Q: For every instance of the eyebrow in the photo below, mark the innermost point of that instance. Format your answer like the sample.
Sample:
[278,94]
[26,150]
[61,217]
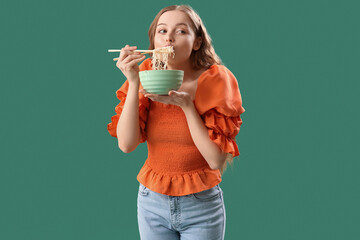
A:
[175,25]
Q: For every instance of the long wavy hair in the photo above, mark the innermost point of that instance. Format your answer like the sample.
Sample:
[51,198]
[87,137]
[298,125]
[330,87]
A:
[204,57]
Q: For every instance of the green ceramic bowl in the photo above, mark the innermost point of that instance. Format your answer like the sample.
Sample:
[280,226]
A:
[161,81]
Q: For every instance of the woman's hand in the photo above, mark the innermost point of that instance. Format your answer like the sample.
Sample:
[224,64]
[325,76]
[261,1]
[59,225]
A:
[127,63]
[181,99]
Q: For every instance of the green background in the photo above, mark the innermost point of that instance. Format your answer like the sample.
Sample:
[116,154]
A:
[62,175]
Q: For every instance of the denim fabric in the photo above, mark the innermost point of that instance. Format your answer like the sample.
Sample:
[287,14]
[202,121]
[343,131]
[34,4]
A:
[198,216]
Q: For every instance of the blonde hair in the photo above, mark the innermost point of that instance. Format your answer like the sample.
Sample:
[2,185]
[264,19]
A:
[205,56]
[229,159]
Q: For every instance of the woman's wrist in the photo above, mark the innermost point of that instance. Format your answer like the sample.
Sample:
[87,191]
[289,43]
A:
[134,83]
[188,107]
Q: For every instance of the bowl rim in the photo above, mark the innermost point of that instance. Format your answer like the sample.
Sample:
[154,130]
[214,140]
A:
[167,70]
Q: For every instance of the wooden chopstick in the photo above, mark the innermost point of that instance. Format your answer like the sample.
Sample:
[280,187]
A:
[119,50]
[140,51]
[115,59]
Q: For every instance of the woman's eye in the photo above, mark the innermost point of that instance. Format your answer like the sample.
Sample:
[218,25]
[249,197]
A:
[163,31]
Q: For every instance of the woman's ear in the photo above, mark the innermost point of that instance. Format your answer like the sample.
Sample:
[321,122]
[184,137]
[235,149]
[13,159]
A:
[197,43]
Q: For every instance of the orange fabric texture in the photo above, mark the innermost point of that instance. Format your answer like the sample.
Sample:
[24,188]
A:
[174,165]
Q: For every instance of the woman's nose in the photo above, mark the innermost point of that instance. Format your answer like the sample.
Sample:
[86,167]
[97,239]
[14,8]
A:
[169,38]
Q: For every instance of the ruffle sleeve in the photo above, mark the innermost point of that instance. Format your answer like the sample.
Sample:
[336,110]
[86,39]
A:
[121,94]
[219,103]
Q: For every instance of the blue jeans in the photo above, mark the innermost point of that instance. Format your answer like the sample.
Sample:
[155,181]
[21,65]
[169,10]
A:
[198,216]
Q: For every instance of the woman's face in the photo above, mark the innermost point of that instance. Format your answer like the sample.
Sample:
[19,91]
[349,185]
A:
[174,28]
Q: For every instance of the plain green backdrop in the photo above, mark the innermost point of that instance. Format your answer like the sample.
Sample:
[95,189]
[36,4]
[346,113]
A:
[62,175]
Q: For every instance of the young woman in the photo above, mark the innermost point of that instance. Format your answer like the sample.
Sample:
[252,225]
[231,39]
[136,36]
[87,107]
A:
[190,133]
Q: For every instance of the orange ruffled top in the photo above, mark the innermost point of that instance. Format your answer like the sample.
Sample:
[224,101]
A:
[174,165]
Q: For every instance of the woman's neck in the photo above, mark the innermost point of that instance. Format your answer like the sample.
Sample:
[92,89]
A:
[189,72]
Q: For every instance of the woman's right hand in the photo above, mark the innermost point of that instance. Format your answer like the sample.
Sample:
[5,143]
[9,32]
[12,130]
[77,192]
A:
[128,63]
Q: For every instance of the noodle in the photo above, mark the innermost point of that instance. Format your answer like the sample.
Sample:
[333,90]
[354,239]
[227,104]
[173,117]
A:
[160,57]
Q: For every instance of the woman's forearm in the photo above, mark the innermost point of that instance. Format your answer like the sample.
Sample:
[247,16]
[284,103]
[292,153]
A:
[128,128]
[199,133]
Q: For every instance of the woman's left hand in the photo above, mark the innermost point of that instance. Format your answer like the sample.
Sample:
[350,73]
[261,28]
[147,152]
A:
[181,99]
